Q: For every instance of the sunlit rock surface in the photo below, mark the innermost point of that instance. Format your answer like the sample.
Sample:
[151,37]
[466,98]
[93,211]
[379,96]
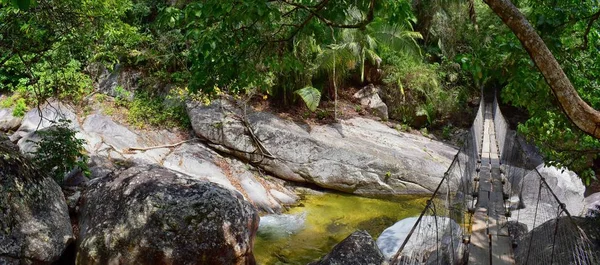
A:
[359,156]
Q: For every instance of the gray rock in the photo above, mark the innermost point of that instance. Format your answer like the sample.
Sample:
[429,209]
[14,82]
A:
[197,161]
[34,219]
[107,82]
[423,244]
[8,122]
[369,97]
[258,194]
[284,198]
[561,241]
[254,186]
[28,143]
[48,114]
[358,156]
[151,215]
[516,231]
[592,204]
[357,249]
[109,132]
[567,187]
[200,162]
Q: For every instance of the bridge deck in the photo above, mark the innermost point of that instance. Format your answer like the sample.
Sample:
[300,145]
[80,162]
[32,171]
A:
[490,243]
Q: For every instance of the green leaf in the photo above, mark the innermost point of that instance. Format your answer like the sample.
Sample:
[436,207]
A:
[311,97]
[22,4]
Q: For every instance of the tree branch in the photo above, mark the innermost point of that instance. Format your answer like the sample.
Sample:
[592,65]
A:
[314,12]
[586,118]
[593,19]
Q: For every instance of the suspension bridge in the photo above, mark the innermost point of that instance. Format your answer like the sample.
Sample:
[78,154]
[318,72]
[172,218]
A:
[493,206]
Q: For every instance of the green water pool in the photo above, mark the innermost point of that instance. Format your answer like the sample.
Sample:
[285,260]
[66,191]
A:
[331,218]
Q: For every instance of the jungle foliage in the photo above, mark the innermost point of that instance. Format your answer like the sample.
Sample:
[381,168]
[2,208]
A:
[497,59]
[431,57]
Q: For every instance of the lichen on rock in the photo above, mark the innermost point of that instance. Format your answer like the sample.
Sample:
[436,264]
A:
[152,215]
[34,220]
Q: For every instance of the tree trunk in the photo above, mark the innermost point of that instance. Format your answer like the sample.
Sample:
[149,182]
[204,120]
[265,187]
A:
[578,111]
[424,11]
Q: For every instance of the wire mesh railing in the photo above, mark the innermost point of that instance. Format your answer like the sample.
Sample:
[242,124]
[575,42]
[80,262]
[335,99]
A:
[543,230]
[437,235]
[553,235]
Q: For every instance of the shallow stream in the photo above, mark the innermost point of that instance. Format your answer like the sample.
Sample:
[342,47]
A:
[312,229]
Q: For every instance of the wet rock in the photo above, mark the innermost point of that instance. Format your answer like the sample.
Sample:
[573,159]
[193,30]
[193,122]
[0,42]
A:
[281,225]
[199,161]
[356,156]
[357,249]
[34,219]
[151,215]
[284,198]
[196,161]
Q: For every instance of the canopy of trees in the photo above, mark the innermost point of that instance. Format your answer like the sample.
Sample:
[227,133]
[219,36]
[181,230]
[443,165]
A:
[431,56]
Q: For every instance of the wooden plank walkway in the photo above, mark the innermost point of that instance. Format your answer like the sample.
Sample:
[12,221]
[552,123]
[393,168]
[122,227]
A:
[490,243]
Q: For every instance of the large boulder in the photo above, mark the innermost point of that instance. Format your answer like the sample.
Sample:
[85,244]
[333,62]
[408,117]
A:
[151,215]
[357,249]
[560,241]
[34,219]
[106,131]
[423,244]
[358,156]
[565,184]
[108,142]
[8,122]
[201,162]
[42,118]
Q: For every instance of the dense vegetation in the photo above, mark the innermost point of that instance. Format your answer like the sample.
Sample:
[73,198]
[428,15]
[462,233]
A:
[430,57]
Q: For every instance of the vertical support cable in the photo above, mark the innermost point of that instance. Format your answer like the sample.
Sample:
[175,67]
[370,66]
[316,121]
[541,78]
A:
[534,220]
[555,233]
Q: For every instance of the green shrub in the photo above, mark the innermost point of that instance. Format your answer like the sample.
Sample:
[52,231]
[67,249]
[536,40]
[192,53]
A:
[59,151]
[67,82]
[122,96]
[18,104]
[7,103]
[146,109]
[20,108]
[447,132]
